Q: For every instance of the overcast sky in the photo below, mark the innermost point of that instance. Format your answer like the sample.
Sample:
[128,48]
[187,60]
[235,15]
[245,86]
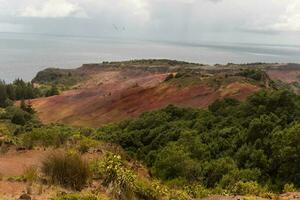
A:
[269,21]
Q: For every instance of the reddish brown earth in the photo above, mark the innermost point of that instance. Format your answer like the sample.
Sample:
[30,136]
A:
[287,73]
[286,76]
[114,95]
[14,163]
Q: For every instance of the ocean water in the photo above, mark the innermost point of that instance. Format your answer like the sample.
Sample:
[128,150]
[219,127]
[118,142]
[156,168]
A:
[23,55]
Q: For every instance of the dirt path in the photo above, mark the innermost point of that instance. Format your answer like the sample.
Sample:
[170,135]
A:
[15,162]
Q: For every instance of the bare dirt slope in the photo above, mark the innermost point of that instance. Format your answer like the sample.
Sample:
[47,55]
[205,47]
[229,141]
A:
[110,95]
[287,73]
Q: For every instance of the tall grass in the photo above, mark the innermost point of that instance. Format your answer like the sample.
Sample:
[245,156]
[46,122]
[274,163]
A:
[68,170]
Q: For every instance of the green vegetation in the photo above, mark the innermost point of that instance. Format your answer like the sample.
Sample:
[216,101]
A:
[123,183]
[51,135]
[30,174]
[21,90]
[61,78]
[77,197]
[154,62]
[255,74]
[239,147]
[18,90]
[116,176]
[22,116]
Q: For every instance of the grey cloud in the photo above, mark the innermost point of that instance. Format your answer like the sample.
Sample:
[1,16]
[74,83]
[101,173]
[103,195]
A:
[180,20]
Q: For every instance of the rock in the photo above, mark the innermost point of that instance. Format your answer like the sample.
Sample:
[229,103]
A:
[21,149]
[25,197]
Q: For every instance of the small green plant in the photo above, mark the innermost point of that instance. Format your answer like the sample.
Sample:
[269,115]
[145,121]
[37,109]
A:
[16,178]
[289,188]
[145,190]
[68,170]
[77,197]
[84,144]
[30,174]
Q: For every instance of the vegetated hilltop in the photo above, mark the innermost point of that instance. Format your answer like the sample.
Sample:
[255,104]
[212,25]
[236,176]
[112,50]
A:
[109,92]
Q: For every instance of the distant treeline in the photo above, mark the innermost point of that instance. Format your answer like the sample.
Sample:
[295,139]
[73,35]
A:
[21,90]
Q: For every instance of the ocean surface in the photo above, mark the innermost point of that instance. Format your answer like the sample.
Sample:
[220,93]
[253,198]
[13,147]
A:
[23,55]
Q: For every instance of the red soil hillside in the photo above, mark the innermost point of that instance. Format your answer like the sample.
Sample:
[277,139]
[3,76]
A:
[288,73]
[114,94]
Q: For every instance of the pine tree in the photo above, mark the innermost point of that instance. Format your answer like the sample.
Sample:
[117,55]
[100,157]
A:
[3,94]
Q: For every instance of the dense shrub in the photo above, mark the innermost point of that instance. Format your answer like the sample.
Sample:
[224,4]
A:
[255,74]
[51,135]
[256,141]
[68,170]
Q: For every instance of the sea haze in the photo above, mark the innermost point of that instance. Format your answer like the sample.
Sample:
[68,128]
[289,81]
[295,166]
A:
[23,55]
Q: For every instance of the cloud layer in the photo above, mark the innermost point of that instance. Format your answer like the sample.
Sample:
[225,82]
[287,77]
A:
[154,19]
[52,9]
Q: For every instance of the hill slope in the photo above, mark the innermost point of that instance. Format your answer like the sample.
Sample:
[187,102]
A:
[112,92]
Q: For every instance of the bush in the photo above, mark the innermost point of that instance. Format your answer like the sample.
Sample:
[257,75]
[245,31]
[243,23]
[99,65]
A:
[115,175]
[169,77]
[170,165]
[84,144]
[253,74]
[248,188]
[46,136]
[146,191]
[229,180]
[289,188]
[68,170]
[30,174]
[197,191]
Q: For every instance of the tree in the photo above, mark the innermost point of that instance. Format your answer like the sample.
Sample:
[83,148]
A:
[3,94]
[11,93]
[286,157]
[53,91]
[172,162]
[18,118]
[27,107]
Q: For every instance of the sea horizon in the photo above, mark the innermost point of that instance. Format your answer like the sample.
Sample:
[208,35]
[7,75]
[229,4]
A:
[22,55]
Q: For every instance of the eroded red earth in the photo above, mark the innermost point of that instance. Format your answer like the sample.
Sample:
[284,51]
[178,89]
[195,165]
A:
[114,95]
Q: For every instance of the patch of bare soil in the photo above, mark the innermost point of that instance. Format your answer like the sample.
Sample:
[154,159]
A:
[10,190]
[220,197]
[13,163]
[286,196]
